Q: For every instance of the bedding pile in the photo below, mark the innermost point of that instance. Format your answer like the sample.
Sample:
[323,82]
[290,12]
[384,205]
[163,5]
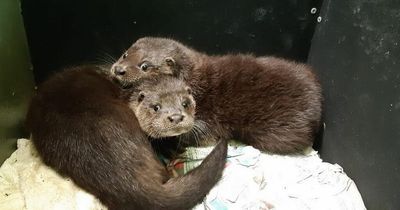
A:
[251,180]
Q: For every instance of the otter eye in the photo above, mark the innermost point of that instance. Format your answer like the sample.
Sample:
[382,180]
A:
[185,104]
[144,66]
[170,61]
[189,90]
[124,55]
[156,107]
[141,97]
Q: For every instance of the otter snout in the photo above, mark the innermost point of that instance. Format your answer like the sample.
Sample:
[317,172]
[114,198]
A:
[176,118]
[119,70]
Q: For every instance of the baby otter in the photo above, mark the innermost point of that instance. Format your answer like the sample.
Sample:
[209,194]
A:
[270,103]
[82,127]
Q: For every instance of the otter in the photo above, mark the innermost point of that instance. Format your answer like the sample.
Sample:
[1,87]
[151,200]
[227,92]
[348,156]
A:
[270,103]
[82,126]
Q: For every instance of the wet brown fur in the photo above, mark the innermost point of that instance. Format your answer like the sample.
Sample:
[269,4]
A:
[83,129]
[270,103]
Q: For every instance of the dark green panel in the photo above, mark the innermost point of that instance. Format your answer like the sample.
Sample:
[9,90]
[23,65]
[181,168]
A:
[16,77]
[356,50]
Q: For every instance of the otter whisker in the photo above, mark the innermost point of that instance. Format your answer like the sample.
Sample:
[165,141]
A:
[109,57]
[201,130]
[193,134]
[203,126]
[150,131]
[197,135]
[103,61]
[112,58]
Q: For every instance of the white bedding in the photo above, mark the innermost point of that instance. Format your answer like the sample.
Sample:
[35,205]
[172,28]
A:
[251,180]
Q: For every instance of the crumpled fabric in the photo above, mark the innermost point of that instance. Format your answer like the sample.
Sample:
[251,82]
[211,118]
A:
[254,180]
[251,180]
[27,184]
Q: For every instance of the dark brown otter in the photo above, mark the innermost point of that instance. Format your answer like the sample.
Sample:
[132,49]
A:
[82,127]
[270,103]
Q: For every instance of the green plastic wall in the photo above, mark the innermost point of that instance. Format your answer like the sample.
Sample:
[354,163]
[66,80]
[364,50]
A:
[16,77]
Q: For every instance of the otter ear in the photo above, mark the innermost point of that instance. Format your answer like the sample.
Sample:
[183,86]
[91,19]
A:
[189,90]
[170,61]
[140,97]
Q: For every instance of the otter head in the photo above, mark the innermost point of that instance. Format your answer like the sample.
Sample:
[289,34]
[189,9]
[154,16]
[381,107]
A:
[149,57]
[164,107]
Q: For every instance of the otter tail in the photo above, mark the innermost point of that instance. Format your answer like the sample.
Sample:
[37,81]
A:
[186,191]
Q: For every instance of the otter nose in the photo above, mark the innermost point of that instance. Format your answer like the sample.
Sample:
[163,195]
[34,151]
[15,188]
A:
[175,118]
[119,70]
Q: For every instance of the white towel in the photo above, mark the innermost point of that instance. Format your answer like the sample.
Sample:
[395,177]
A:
[26,183]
